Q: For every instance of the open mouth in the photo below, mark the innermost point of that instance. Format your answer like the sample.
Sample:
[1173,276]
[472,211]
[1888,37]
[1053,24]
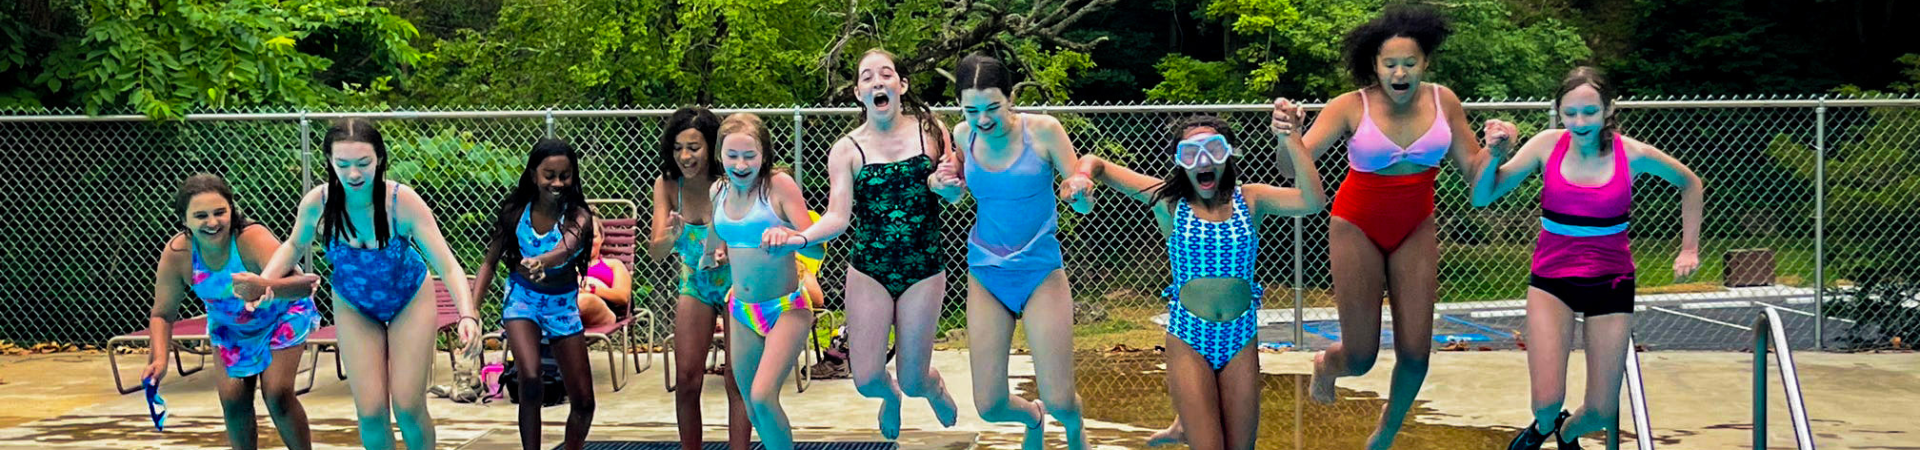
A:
[1401,87]
[881,100]
[988,128]
[1207,179]
[740,173]
[210,232]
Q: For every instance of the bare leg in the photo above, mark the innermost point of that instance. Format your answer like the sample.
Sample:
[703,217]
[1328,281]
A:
[1049,320]
[283,405]
[1606,365]
[763,364]
[1361,280]
[410,342]
[363,350]
[869,318]
[576,371]
[990,340]
[523,339]
[1414,286]
[594,311]
[918,319]
[1549,338]
[693,336]
[236,408]
[1196,396]
[1239,385]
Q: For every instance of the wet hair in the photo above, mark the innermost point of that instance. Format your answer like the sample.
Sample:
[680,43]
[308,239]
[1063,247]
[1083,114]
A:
[1176,186]
[333,218]
[1425,25]
[201,183]
[979,71]
[506,215]
[1592,76]
[753,127]
[683,119]
[929,124]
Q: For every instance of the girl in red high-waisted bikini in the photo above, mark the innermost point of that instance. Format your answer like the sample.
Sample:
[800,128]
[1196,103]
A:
[1381,236]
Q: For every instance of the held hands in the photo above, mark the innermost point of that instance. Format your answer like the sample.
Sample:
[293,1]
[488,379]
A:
[946,181]
[258,290]
[1077,191]
[1500,136]
[781,240]
[1288,117]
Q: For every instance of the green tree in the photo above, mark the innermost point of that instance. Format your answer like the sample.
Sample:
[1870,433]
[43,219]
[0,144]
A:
[165,57]
[1280,47]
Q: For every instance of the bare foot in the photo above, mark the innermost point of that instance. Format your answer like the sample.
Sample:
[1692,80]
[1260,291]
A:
[1383,435]
[1036,438]
[890,418]
[943,406]
[1174,434]
[1320,389]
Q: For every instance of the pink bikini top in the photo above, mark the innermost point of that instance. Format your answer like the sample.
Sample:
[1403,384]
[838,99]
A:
[1370,149]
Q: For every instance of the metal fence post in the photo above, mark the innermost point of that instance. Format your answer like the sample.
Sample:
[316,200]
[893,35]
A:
[1820,223]
[799,171]
[549,123]
[306,172]
[1299,290]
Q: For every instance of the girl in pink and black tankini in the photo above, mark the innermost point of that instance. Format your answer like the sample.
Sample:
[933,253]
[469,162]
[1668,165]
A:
[1582,263]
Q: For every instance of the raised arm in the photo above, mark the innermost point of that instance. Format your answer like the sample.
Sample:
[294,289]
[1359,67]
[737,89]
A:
[1309,197]
[1468,156]
[1330,125]
[1134,184]
[949,177]
[1693,192]
[1510,174]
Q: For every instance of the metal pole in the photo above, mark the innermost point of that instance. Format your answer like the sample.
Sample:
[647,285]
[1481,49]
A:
[306,172]
[1820,224]
[549,122]
[799,125]
[1299,291]
[1760,385]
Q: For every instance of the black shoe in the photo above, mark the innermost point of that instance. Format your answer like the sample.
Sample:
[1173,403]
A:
[1570,444]
[1529,439]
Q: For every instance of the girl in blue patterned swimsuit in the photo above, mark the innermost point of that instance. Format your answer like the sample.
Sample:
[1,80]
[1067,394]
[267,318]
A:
[260,347]
[1212,228]
[541,229]
[380,238]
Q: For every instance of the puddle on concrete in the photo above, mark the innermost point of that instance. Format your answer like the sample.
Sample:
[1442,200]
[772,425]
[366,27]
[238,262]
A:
[1131,389]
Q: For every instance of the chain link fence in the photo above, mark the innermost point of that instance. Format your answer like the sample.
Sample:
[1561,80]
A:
[87,201]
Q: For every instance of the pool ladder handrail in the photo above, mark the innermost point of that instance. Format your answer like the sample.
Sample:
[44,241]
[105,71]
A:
[1637,400]
[1767,325]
